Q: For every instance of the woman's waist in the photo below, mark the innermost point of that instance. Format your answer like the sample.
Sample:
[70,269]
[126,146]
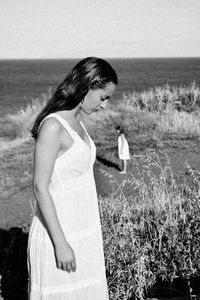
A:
[39,232]
[61,184]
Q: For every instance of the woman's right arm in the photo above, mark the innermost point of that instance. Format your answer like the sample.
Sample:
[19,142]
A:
[121,144]
[123,140]
[47,147]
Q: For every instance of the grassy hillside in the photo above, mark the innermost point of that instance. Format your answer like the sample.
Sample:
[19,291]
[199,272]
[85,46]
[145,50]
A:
[150,218]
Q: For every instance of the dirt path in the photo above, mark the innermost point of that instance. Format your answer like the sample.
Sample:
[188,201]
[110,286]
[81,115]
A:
[179,153]
[16,201]
[16,197]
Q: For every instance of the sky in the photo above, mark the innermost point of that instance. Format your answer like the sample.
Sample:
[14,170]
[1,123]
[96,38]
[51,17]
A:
[104,28]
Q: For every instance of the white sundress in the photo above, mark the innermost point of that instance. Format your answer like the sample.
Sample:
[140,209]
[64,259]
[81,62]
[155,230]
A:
[123,148]
[73,191]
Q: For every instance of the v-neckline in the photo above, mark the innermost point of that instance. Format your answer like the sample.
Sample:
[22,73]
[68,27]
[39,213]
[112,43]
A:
[86,144]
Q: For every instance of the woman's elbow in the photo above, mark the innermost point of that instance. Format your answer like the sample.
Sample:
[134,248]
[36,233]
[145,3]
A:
[39,188]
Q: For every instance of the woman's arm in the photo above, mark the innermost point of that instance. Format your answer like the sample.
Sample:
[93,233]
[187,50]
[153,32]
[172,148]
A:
[46,151]
[122,138]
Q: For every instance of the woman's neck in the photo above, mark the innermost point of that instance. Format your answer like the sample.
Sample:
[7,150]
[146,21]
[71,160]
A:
[70,114]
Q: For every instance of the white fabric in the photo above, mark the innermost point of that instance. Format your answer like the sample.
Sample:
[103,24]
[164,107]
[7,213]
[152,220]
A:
[73,190]
[123,148]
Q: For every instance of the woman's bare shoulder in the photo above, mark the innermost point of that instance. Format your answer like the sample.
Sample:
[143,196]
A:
[50,127]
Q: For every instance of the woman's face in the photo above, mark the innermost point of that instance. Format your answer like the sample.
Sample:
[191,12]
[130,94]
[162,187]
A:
[97,99]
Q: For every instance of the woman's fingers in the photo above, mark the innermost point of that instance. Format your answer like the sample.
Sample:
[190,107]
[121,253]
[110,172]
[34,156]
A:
[67,266]
[65,258]
[73,264]
[59,265]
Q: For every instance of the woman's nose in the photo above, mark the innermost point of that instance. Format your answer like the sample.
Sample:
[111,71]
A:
[104,104]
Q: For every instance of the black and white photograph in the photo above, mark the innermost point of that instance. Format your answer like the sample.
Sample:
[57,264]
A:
[100,149]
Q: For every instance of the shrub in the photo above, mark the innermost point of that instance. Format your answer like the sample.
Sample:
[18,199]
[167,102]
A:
[166,98]
[154,234]
[18,125]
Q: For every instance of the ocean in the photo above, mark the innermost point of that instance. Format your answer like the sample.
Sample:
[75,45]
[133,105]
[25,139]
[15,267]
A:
[23,80]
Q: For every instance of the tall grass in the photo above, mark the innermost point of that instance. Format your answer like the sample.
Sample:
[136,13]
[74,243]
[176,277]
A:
[154,233]
[167,109]
[166,98]
[182,124]
[164,110]
[21,123]
[16,128]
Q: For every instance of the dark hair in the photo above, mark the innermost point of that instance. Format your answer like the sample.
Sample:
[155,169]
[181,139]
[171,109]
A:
[89,73]
[120,129]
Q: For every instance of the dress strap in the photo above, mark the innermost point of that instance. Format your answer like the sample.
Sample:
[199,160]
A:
[84,128]
[62,121]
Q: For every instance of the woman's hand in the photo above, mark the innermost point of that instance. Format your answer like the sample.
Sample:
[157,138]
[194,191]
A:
[65,258]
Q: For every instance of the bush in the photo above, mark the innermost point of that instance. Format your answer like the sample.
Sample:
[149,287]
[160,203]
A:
[166,98]
[154,234]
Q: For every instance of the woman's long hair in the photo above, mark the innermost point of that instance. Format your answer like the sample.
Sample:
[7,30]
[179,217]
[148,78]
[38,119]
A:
[89,73]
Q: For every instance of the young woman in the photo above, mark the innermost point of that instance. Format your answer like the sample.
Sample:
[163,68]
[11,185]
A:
[65,249]
[123,149]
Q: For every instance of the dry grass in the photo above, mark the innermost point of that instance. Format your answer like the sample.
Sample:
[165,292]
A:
[166,110]
[171,110]
[166,98]
[154,233]
[22,122]
[180,123]
[8,144]
[15,128]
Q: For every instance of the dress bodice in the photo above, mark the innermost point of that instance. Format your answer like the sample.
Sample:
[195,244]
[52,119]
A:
[76,162]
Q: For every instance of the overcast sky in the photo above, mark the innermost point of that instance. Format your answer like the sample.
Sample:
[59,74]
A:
[105,28]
